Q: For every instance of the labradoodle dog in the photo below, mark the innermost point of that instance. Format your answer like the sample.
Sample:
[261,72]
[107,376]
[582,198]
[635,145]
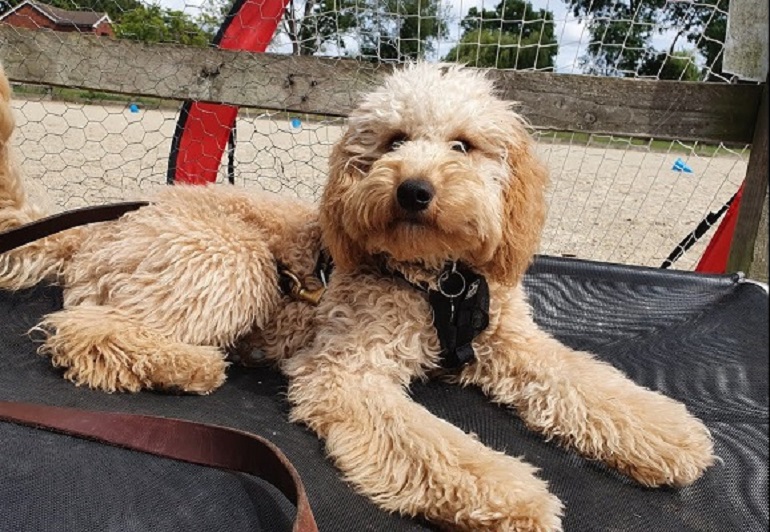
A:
[432,213]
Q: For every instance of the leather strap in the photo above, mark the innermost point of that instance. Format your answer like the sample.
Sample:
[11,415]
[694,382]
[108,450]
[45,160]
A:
[57,223]
[196,443]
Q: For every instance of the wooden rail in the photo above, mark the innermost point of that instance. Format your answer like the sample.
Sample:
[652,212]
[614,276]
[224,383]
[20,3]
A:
[709,112]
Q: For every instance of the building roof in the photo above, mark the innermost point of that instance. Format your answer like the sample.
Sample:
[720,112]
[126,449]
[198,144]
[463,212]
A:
[64,17]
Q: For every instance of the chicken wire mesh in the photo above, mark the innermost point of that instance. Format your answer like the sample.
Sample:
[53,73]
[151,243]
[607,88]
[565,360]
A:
[611,198]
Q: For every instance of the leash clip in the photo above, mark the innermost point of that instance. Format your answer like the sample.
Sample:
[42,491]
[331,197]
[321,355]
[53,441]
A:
[451,283]
[301,292]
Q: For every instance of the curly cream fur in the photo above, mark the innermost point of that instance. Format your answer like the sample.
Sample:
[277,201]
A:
[154,300]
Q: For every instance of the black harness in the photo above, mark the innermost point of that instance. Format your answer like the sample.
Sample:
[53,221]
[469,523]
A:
[460,313]
[460,305]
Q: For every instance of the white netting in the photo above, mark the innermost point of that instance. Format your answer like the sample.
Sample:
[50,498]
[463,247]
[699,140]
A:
[611,198]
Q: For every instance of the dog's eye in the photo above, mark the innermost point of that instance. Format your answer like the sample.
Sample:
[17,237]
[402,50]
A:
[463,146]
[397,141]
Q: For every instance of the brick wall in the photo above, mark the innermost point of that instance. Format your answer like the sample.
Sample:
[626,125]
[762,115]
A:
[30,18]
[104,29]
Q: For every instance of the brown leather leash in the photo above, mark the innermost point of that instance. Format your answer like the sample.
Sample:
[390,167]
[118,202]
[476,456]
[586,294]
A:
[18,236]
[196,443]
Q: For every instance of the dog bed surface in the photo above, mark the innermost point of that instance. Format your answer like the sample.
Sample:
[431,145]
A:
[700,339]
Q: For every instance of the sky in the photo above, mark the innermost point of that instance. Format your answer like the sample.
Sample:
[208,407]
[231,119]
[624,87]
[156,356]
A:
[571,34]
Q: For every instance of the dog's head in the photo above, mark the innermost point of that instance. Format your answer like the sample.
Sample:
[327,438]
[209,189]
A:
[434,167]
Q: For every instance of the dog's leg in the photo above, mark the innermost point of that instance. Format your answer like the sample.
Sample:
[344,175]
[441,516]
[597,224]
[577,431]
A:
[403,457]
[588,404]
[107,349]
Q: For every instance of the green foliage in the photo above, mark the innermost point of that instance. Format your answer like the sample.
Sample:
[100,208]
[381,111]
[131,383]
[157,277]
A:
[677,66]
[212,15]
[399,30]
[152,23]
[707,30]
[386,30]
[513,35]
[311,25]
[495,49]
[622,32]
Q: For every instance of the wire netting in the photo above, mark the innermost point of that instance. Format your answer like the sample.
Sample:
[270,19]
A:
[612,198]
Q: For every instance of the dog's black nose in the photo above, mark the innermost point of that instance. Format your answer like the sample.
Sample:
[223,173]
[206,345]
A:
[415,195]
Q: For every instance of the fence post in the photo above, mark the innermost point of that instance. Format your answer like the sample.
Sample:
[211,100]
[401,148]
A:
[750,232]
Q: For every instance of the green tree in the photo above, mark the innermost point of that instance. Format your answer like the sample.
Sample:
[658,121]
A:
[677,66]
[311,25]
[706,27]
[152,23]
[212,15]
[399,30]
[622,32]
[513,35]
[387,30]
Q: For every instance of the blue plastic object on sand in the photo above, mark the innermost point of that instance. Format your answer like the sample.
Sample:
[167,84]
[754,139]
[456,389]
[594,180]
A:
[681,166]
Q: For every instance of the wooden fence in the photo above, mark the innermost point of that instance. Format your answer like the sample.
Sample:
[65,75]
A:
[706,112]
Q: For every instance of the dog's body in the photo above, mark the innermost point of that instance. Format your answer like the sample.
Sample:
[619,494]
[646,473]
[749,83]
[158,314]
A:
[433,170]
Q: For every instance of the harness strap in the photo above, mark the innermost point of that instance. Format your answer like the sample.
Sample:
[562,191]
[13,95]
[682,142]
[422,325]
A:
[460,309]
[196,443]
[57,223]
[460,313]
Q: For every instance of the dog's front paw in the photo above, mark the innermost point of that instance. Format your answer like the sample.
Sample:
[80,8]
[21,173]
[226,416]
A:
[663,444]
[104,350]
[196,375]
[505,495]
[538,513]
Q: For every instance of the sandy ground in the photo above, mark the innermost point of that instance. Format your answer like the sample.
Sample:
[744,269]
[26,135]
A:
[618,205]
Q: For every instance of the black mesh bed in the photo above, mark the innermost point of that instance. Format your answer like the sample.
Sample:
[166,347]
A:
[700,339]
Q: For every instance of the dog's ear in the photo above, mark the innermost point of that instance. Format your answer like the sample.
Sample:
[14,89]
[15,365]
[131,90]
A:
[345,253]
[523,212]
[5,88]
[6,118]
